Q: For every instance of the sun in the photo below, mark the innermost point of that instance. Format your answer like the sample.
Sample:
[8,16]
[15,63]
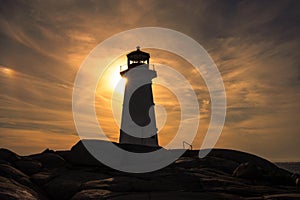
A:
[115,78]
[6,71]
[115,82]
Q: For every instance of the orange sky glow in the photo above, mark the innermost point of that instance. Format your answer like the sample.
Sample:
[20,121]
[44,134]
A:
[43,44]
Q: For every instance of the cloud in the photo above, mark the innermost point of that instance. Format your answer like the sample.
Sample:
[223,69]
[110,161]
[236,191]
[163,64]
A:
[254,44]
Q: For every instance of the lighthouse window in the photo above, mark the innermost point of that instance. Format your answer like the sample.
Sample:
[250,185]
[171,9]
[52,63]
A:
[133,61]
[143,61]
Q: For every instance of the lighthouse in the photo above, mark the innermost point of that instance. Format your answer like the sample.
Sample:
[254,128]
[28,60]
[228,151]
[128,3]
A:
[138,125]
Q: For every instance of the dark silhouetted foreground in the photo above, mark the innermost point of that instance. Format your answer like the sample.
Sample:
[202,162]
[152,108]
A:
[74,174]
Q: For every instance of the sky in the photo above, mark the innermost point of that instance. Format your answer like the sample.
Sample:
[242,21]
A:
[255,45]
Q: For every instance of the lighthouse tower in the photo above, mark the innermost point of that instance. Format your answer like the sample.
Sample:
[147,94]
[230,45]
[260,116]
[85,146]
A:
[138,124]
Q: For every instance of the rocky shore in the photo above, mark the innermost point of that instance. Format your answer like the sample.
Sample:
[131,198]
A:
[76,175]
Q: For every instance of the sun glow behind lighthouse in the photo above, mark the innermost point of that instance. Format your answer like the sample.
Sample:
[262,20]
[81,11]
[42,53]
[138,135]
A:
[111,81]
[116,81]
[6,71]
[109,94]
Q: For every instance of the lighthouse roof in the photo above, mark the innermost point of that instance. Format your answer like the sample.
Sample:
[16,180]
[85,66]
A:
[138,55]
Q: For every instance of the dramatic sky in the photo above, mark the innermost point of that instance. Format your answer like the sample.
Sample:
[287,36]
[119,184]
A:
[255,45]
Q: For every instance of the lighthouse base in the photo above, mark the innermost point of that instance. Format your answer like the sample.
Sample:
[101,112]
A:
[128,139]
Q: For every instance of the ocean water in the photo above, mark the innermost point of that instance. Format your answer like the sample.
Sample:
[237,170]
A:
[293,167]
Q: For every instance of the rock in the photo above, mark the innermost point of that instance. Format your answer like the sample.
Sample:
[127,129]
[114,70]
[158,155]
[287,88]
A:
[28,166]
[76,175]
[176,195]
[280,177]
[10,172]
[222,164]
[49,160]
[126,184]
[93,194]
[63,154]
[180,181]
[296,178]
[242,157]
[260,168]
[8,155]
[12,190]
[79,155]
[48,151]
[64,186]
[193,196]
[42,178]
[187,181]
[205,172]
[217,182]
[18,177]
[289,196]
[249,190]
[4,162]
[247,170]
[132,196]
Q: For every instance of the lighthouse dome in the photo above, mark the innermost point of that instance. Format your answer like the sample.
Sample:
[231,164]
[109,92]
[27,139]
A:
[138,55]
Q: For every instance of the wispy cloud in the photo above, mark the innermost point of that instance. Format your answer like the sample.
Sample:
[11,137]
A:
[254,44]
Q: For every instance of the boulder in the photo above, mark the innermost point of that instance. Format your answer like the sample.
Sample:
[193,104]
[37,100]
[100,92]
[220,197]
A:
[280,177]
[93,194]
[176,195]
[250,190]
[253,172]
[76,175]
[222,164]
[10,172]
[28,166]
[42,178]
[16,176]
[242,157]
[65,185]
[248,170]
[220,182]
[63,154]
[8,155]
[12,190]
[62,189]
[175,182]
[49,160]
[127,184]
[290,196]
[48,151]
[4,162]
[296,178]
[79,155]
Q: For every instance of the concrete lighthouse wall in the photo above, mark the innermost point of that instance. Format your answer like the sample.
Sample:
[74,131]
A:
[138,124]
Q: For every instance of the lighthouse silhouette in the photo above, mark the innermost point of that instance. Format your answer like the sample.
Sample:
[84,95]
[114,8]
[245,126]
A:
[138,124]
